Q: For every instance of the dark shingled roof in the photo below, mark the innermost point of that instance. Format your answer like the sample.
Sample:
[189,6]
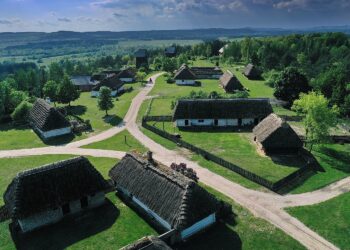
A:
[170,50]
[184,73]
[51,186]
[251,71]
[141,53]
[45,117]
[175,198]
[112,82]
[126,73]
[230,83]
[222,108]
[274,133]
[147,243]
[83,80]
[206,71]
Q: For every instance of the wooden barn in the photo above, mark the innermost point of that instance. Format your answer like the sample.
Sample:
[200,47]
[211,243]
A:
[141,57]
[45,195]
[47,121]
[207,72]
[230,83]
[170,51]
[221,112]
[147,243]
[111,81]
[126,75]
[252,72]
[84,83]
[185,76]
[274,135]
[173,201]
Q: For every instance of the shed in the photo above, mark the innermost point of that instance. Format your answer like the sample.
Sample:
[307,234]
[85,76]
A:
[126,75]
[47,121]
[44,195]
[230,83]
[185,76]
[170,51]
[141,56]
[252,72]
[274,135]
[111,81]
[84,83]
[147,243]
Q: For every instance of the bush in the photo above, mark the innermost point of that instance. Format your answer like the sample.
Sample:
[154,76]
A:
[20,114]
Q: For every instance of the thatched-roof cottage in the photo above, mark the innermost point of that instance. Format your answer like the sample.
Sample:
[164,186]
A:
[230,83]
[141,56]
[275,135]
[220,112]
[147,243]
[44,195]
[84,83]
[252,72]
[168,197]
[126,75]
[170,51]
[207,72]
[185,76]
[111,81]
[47,121]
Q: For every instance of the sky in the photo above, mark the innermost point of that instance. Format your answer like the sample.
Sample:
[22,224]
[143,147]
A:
[125,15]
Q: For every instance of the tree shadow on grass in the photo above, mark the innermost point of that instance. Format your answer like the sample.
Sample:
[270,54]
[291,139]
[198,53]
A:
[337,159]
[77,110]
[10,126]
[70,230]
[113,120]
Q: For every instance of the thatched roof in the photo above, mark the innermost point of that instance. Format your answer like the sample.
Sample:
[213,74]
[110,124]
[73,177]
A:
[175,198]
[126,73]
[222,108]
[112,81]
[147,243]
[230,83]
[141,53]
[206,71]
[45,117]
[51,186]
[83,80]
[274,133]
[184,73]
[251,71]
[170,50]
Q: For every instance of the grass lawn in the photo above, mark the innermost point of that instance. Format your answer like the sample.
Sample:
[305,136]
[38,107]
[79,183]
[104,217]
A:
[118,143]
[330,219]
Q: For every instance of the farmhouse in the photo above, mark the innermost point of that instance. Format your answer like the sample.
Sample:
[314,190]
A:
[172,200]
[47,121]
[141,56]
[274,135]
[84,83]
[230,83]
[45,195]
[207,72]
[147,243]
[185,76]
[252,72]
[111,81]
[170,51]
[221,112]
[126,75]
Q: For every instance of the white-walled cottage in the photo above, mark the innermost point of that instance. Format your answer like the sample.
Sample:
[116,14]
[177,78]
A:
[220,112]
[126,76]
[185,76]
[111,81]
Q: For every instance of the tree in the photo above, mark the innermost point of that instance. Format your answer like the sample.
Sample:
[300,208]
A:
[55,72]
[140,76]
[289,84]
[67,92]
[15,98]
[50,90]
[20,114]
[319,117]
[105,99]
[208,51]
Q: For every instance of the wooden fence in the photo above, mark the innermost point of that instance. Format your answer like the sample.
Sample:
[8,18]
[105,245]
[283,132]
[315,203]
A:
[218,160]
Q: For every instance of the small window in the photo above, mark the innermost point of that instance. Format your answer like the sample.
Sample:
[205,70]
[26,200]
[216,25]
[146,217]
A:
[200,121]
[186,122]
[216,122]
[84,202]
[66,209]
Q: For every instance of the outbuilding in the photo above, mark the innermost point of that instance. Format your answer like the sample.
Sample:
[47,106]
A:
[126,75]
[111,81]
[230,83]
[274,135]
[185,76]
[47,121]
[45,195]
[170,51]
[221,112]
[141,57]
[84,83]
[252,72]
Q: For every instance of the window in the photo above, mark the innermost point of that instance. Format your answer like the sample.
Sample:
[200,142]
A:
[200,121]
[240,122]
[84,202]
[186,122]
[66,209]
[216,122]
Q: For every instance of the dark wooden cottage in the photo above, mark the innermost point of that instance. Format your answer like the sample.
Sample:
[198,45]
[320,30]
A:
[141,57]
[47,121]
[221,112]
[274,135]
[230,83]
[207,72]
[84,83]
[44,195]
[252,72]
[111,81]
[147,243]
[126,75]
[170,51]
[185,76]
[172,200]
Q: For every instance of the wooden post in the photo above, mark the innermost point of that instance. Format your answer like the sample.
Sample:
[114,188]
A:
[163,125]
[125,139]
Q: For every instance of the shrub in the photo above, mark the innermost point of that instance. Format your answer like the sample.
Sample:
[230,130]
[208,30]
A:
[20,114]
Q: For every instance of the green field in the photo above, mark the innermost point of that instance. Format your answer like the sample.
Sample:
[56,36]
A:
[330,219]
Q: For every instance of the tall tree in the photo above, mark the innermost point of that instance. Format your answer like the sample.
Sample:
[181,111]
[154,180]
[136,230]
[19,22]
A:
[67,92]
[56,72]
[105,101]
[50,90]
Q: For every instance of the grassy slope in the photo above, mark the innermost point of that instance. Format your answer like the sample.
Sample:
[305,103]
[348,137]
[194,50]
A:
[330,219]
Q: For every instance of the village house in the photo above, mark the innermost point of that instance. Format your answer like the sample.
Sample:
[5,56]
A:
[47,121]
[126,76]
[185,76]
[170,51]
[252,72]
[220,112]
[147,243]
[230,83]
[207,72]
[222,50]
[111,81]
[141,57]
[274,135]
[45,195]
[172,200]
[84,83]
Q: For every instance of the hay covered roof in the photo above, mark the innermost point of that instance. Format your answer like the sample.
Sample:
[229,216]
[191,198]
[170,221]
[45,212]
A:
[126,73]
[45,117]
[206,71]
[184,73]
[83,80]
[147,243]
[51,186]
[222,108]
[230,82]
[112,81]
[175,198]
[251,71]
[274,132]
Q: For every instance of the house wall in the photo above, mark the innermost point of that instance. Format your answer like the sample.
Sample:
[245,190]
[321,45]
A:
[55,132]
[200,225]
[207,122]
[185,82]
[126,79]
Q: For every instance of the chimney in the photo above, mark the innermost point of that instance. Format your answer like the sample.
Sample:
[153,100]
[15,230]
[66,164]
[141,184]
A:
[150,156]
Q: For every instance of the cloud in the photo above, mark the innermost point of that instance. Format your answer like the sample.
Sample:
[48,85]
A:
[9,21]
[117,15]
[64,19]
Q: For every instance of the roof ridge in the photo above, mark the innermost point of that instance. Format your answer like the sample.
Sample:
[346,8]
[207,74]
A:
[183,213]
